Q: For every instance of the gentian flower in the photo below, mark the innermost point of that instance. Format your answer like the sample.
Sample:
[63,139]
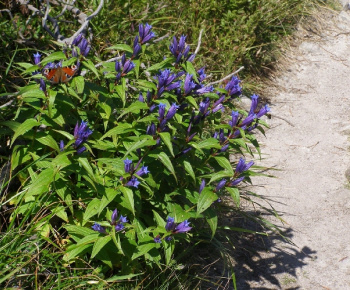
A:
[133,182]
[180,50]
[128,165]
[170,224]
[171,111]
[182,227]
[189,85]
[233,121]
[236,181]
[98,228]
[42,85]
[123,67]
[233,87]
[83,45]
[248,120]
[201,74]
[37,57]
[136,47]
[157,239]
[151,129]
[242,166]
[81,134]
[61,145]
[161,111]
[263,111]
[166,81]
[221,184]
[114,217]
[145,33]
[144,170]
[202,186]
[204,105]
[254,104]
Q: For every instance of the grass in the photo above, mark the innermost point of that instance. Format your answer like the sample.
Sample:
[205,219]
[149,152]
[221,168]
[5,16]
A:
[236,33]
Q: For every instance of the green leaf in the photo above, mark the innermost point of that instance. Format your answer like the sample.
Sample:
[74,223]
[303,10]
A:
[147,141]
[159,219]
[60,211]
[219,175]
[206,198]
[212,219]
[91,210]
[41,183]
[24,127]
[209,143]
[134,108]
[224,163]
[189,170]
[78,230]
[49,141]
[160,65]
[11,124]
[167,141]
[191,70]
[128,198]
[234,192]
[123,47]
[147,85]
[120,129]
[86,165]
[167,163]
[99,244]
[88,64]
[58,55]
[120,278]
[143,249]
[79,84]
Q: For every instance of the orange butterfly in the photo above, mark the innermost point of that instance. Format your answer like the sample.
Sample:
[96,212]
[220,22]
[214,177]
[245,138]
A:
[60,74]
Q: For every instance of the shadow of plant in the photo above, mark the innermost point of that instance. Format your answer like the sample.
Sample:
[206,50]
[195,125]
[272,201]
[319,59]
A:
[256,261]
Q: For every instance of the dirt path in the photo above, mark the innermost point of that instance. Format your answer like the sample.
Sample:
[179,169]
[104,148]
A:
[311,191]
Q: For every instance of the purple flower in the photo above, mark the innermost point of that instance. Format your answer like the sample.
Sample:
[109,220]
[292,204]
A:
[168,238]
[81,149]
[233,87]
[42,85]
[186,150]
[157,239]
[81,134]
[201,74]
[182,227]
[180,50]
[141,99]
[161,111]
[37,57]
[263,111]
[123,67]
[119,227]
[83,45]
[171,111]
[170,224]
[98,228]
[202,186]
[133,182]
[144,170]
[221,184]
[166,81]
[151,129]
[242,166]
[204,105]
[128,165]
[203,90]
[128,66]
[145,33]
[236,181]
[136,47]
[248,120]
[189,85]
[114,217]
[224,148]
[61,145]
[254,104]
[233,121]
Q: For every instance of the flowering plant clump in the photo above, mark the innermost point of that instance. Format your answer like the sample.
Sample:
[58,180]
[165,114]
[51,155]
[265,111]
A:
[158,142]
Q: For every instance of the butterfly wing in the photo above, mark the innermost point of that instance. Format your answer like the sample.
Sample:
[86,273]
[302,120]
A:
[53,75]
[68,73]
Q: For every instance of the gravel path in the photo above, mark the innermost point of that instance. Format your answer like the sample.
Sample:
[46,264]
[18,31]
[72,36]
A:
[311,190]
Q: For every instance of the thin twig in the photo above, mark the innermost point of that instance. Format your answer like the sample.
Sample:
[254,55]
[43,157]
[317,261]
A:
[226,77]
[199,41]
[10,14]
[6,104]
[278,117]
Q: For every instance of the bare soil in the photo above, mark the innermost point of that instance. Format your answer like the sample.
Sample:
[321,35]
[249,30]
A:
[309,143]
